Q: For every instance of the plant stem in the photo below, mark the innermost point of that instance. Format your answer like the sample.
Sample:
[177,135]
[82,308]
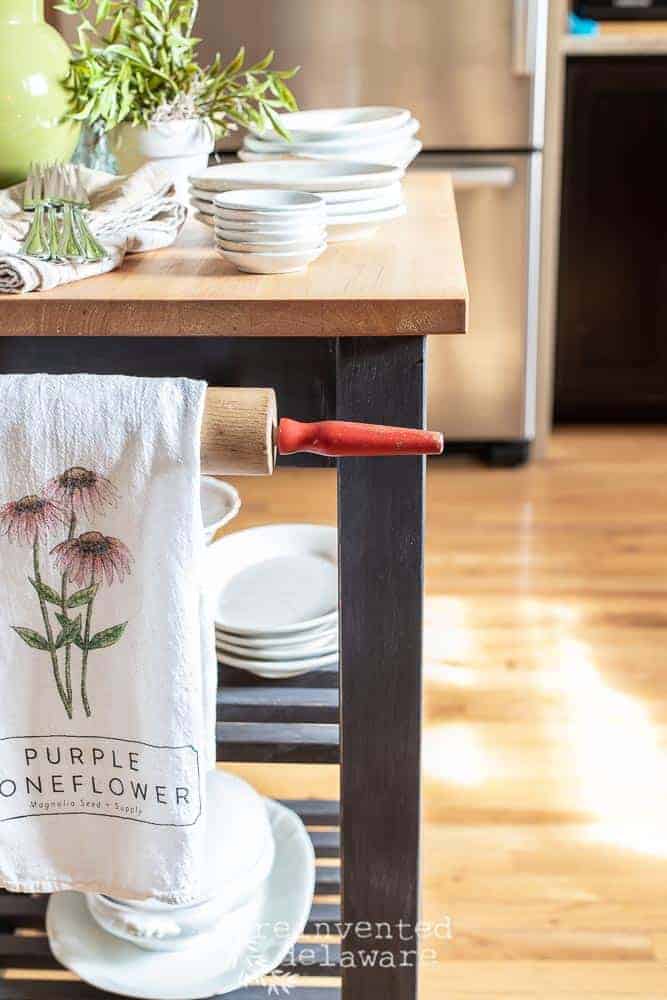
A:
[84,655]
[49,632]
[63,598]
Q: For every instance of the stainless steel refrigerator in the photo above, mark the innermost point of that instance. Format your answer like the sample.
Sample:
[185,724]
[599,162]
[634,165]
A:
[473,72]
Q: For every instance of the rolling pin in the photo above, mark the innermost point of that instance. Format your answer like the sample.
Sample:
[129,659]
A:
[241,435]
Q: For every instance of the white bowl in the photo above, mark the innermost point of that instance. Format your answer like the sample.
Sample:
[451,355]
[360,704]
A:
[296,175]
[272,263]
[297,216]
[220,503]
[233,228]
[333,123]
[348,144]
[269,200]
[240,851]
[285,246]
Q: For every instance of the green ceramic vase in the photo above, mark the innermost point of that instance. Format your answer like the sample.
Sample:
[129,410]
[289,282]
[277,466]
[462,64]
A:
[33,62]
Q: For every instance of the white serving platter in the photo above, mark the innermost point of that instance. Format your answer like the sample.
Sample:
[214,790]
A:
[215,965]
[399,157]
[297,175]
[331,123]
[349,144]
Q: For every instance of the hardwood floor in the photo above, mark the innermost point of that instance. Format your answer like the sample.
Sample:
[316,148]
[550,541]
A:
[545,744]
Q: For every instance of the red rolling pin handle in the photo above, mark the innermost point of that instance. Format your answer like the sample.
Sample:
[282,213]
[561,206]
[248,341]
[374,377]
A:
[338,438]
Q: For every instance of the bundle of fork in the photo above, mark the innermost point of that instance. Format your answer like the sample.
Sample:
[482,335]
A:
[59,231]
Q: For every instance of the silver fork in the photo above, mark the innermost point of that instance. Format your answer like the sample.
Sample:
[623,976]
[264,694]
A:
[36,242]
[93,249]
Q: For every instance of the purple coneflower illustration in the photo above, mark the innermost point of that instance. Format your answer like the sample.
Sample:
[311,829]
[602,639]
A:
[87,561]
[93,556]
[30,518]
[81,491]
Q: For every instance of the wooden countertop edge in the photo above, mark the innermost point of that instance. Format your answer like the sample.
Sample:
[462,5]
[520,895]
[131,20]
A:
[27,317]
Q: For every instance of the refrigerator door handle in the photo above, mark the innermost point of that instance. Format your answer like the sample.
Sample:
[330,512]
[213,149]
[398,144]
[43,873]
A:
[524,27]
[466,178]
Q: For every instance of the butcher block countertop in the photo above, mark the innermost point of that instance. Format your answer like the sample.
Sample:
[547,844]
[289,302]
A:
[409,279]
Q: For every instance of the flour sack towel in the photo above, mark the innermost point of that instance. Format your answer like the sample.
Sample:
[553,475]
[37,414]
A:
[106,728]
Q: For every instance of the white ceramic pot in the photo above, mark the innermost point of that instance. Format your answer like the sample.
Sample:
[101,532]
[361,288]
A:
[181,147]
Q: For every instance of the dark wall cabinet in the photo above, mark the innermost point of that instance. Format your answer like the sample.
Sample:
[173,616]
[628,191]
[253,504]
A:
[611,346]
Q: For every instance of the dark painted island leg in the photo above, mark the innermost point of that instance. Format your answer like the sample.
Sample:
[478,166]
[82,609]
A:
[380,524]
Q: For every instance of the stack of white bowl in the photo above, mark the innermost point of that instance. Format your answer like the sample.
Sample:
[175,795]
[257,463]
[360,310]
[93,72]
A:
[358,197]
[240,852]
[269,232]
[366,134]
[277,607]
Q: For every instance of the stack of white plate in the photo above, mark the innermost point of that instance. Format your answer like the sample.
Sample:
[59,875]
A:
[268,232]
[370,134]
[358,196]
[277,606]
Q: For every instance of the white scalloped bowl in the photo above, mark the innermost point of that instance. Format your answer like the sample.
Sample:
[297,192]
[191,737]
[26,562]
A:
[240,851]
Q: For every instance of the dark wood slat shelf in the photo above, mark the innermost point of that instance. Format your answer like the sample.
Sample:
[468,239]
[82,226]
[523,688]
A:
[323,677]
[315,812]
[290,743]
[291,721]
[275,704]
[31,951]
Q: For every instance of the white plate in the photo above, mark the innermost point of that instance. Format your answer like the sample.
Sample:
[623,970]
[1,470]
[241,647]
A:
[297,175]
[269,200]
[203,970]
[367,205]
[398,157]
[332,123]
[360,226]
[274,654]
[278,667]
[272,263]
[349,144]
[288,246]
[220,503]
[277,607]
[262,641]
[287,588]
[390,192]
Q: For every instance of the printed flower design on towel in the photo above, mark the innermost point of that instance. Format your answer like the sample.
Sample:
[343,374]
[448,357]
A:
[87,561]
[92,556]
[29,518]
[82,491]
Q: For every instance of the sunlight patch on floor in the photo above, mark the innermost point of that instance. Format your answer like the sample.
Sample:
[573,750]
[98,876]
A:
[617,760]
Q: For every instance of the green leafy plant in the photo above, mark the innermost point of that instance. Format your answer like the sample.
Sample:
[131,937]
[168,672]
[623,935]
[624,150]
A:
[137,63]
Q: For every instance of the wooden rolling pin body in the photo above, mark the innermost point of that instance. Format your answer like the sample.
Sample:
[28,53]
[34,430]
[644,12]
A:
[238,432]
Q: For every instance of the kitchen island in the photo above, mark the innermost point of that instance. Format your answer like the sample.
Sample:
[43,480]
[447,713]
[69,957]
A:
[345,339]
